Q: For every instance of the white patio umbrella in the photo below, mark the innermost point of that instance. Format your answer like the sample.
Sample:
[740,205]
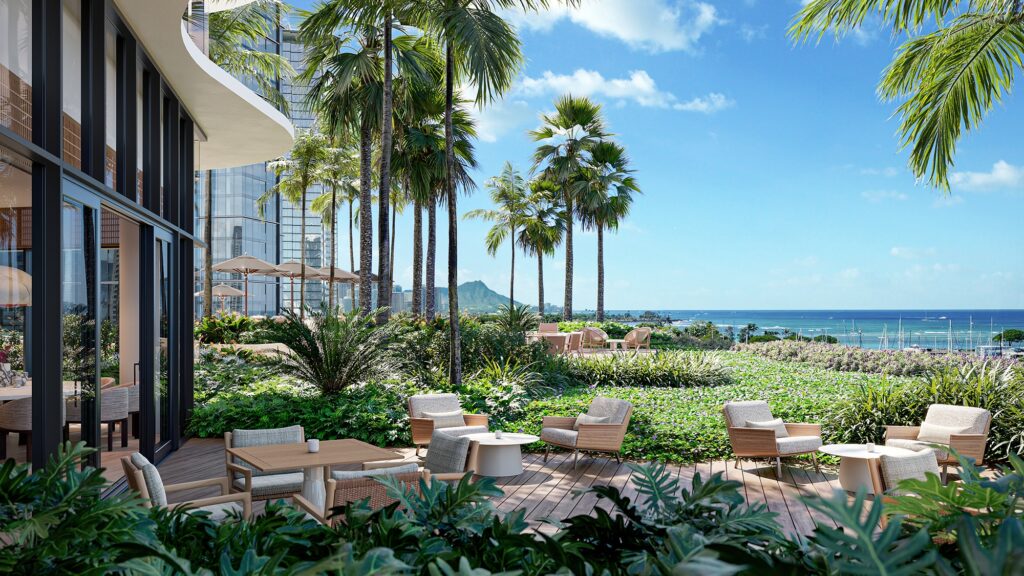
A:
[339,274]
[223,291]
[15,288]
[292,269]
[245,265]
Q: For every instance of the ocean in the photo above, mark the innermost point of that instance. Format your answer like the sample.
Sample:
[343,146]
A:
[939,329]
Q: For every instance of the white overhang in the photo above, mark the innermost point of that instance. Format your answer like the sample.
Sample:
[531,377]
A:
[238,126]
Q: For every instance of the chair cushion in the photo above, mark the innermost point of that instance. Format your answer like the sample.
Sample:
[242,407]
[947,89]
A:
[737,414]
[354,474]
[151,476]
[777,424]
[916,446]
[798,444]
[447,453]
[973,420]
[897,468]
[937,433]
[559,436]
[265,437]
[219,512]
[278,483]
[446,419]
[588,419]
[432,403]
[465,430]
[611,408]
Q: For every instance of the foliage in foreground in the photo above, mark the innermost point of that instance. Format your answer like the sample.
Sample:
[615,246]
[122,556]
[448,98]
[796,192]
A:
[55,521]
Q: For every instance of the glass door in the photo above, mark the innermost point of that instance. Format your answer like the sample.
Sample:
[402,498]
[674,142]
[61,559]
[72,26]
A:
[163,308]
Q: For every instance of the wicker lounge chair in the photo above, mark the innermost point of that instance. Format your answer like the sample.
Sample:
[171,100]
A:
[113,410]
[962,428]
[262,485]
[601,429]
[144,478]
[16,416]
[638,338]
[594,337]
[352,486]
[755,433]
[428,412]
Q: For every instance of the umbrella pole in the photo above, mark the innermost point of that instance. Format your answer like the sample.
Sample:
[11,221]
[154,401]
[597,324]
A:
[291,305]
[245,304]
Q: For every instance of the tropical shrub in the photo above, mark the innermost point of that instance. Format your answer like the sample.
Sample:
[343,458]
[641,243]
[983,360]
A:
[613,329]
[222,329]
[503,390]
[481,342]
[851,359]
[661,369]
[221,371]
[333,351]
[518,319]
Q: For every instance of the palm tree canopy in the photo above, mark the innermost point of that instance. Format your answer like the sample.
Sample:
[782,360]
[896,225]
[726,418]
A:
[567,136]
[609,186]
[947,79]
[234,36]
[341,173]
[303,167]
[543,224]
[509,194]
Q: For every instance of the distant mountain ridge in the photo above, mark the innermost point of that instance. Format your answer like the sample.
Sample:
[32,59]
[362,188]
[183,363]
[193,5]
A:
[476,297]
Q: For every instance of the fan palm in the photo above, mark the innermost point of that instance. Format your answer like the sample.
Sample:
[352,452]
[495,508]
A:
[232,36]
[566,140]
[543,229]
[605,200]
[339,175]
[301,169]
[946,79]
[509,194]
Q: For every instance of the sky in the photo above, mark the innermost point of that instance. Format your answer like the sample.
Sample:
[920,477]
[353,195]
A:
[772,174]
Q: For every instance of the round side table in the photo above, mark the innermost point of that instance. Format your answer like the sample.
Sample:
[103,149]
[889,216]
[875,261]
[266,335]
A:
[500,456]
[859,468]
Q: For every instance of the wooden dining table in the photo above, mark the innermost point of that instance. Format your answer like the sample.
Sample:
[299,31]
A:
[9,393]
[285,457]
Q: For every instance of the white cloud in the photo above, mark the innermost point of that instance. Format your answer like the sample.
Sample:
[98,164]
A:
[876,196]
[909,253]
[639,87]
[650,25]
[751,33]
[888,172]
[1002,175]
[502,117]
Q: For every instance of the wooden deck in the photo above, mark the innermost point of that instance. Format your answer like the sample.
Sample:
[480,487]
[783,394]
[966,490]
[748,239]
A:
[553,489]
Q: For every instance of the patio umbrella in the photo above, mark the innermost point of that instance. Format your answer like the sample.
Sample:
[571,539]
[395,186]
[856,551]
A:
[292,269]
[15,288]
[245,265]
[223,291]
[339,274]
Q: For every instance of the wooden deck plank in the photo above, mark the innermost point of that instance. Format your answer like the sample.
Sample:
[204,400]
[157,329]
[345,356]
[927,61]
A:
[585,504]
[516,496]
[558,471]
[620,481]
[775,500]
[798,511]
[805,483]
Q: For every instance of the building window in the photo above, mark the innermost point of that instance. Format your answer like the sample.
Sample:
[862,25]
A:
[110,149]
[16,66]
[71,67]
[139,129]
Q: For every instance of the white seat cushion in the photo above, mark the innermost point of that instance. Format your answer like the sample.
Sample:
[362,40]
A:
[798,444]
[355,474]
[464,430]
[939,434]
[898,468]
[433,403]
[450,419]
[559,436]
[916,446]
[777,424]
[588,419]
[273,484]
[972,420]
[219,512]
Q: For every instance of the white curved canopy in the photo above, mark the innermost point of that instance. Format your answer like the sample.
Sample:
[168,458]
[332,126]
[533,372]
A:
[240,127]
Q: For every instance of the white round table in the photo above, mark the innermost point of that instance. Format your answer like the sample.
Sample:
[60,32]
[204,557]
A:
[500,456]
[857,465]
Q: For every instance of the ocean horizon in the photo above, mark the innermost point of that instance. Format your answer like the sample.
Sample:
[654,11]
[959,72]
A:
[958,329]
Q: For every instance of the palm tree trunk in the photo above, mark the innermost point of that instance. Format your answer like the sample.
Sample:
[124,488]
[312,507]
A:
[302,255]
[351,257]
[455,368]
[540,284]
[567,305]
[365,215]
[384,196]
[208,252]
[512,280]
[334,246]
[394,234]
[431,307]
[600,273]
[417,258]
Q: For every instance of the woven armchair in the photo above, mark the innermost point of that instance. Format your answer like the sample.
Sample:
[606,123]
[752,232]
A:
[594,337]
[575,345]
[348,487]
[113,410]
[423,426]
[576,435]
[547,327]
[262,485]
[749,441]
[638,338]
[967,429]
[144,478]
[16,416]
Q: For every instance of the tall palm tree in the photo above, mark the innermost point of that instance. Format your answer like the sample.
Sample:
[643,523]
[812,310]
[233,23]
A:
[567,138]
[957,61]
[233,36]
[339,175]
[509,194]
[543,229]
[296,173]
[606,200]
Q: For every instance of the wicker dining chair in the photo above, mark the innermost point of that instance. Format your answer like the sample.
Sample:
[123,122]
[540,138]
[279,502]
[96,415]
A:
[113,410]
[547,327]
[262,485]
[594,337]
[638,338]
[557,343]
[755,433]
[144,478]
[575,345]
[16,416]
[346,487]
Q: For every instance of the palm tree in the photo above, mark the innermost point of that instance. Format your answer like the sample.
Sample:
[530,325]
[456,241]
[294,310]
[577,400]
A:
[567,138]
[233,36]
[301,169]
[606,200]
[339,176]
[946,78]
[543,229]
[509,194]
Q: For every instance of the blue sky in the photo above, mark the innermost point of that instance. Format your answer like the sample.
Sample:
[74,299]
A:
[772,176]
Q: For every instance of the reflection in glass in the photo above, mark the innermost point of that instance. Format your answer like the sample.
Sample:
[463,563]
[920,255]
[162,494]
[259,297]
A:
[16,66]
[71,67]
[163,306]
